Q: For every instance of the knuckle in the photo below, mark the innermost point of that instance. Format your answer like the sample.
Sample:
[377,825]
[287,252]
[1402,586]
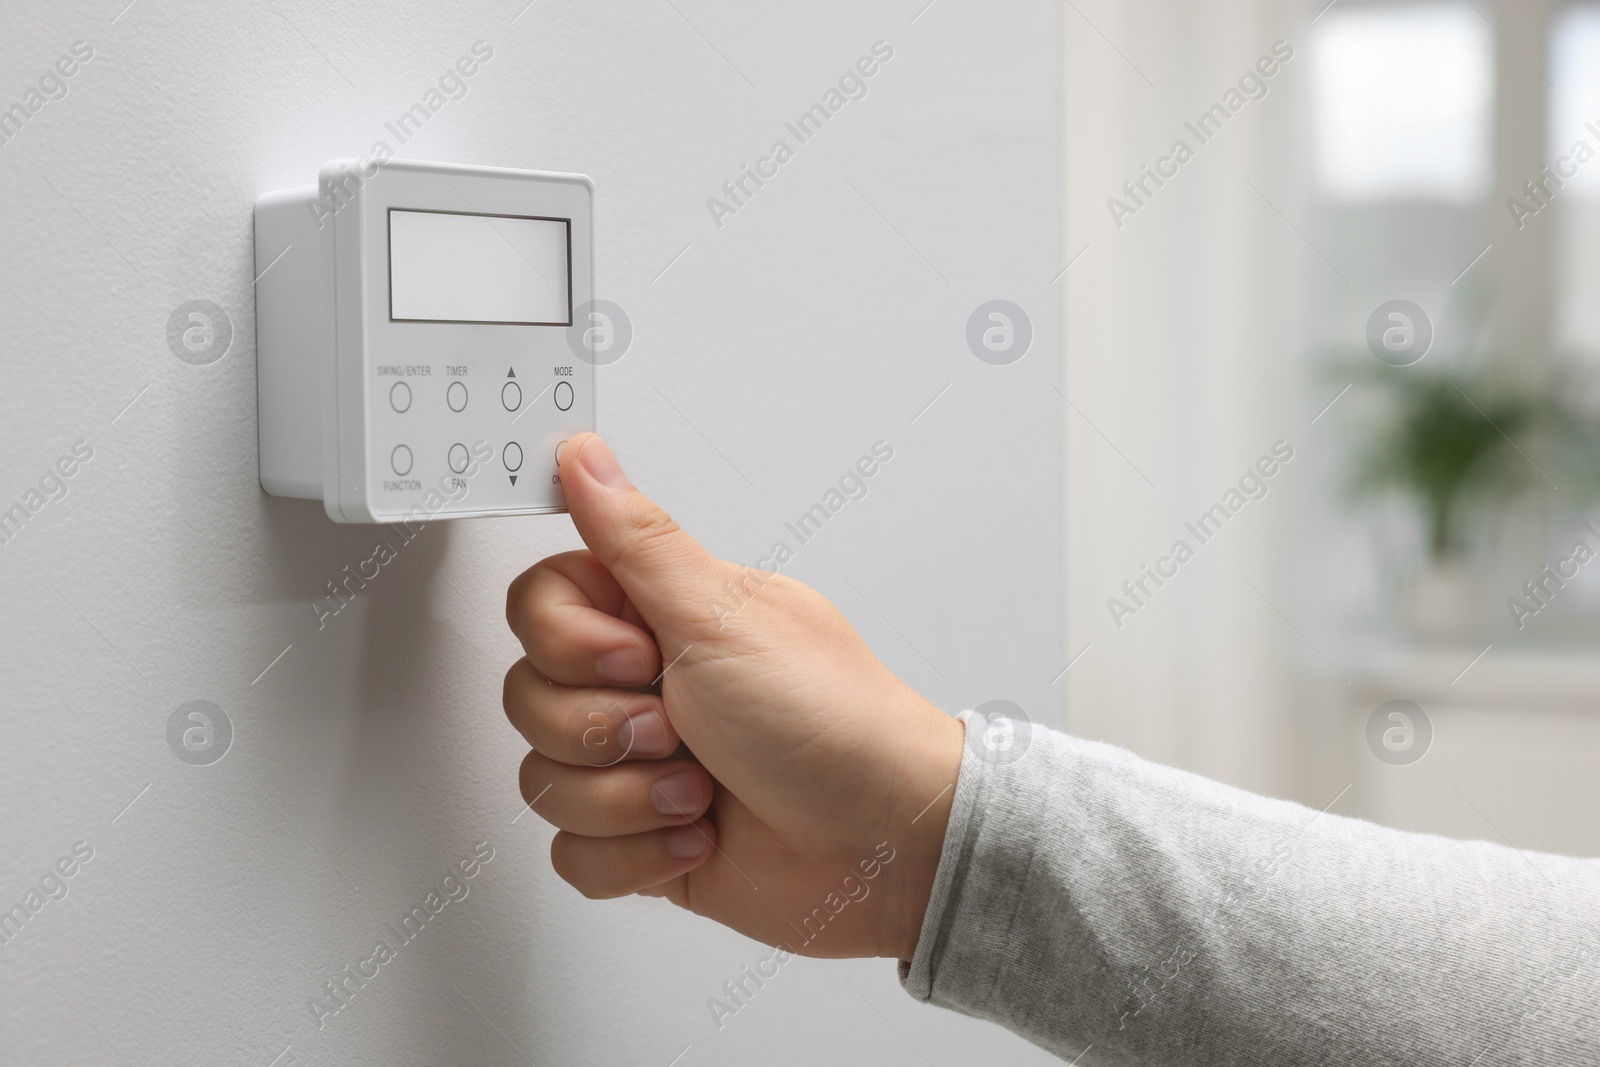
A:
[529,592]
[594,731]
[649,527]
[533,706]
[519,598]
[529,776]
[533,625]
[515,679]
[564,863]
[561,860]
[610,807]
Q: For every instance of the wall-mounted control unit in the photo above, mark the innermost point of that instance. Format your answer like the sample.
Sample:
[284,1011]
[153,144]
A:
[414,326]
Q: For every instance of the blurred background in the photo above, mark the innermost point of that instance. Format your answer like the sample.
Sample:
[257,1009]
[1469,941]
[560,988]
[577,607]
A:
[1383,255]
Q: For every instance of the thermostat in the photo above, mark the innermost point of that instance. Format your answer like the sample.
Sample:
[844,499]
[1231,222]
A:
[413,338]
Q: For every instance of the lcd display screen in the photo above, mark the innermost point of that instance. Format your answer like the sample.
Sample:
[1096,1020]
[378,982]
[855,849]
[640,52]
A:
[448,266]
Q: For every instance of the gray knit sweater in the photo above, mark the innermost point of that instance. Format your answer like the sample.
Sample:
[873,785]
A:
[1119,912]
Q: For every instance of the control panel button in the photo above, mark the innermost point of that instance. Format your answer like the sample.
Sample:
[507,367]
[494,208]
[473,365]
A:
[458,458]
[400,396]
[511,396]
[511,456]
[563,395]
[456,396]
[400,460]
[559,447]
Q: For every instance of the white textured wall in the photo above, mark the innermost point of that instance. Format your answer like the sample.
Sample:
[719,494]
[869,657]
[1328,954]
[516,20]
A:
[373,755]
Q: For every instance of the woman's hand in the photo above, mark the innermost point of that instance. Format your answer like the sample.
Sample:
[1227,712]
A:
[721,736]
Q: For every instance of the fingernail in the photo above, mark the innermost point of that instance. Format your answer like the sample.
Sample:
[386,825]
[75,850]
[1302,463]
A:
[602,466]
[684,842]
[677,794]
[644,735]
[623,666]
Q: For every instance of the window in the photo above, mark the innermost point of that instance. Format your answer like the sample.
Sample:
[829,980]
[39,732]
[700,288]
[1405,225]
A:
[1402,99]
[1574,107]
[1575,100]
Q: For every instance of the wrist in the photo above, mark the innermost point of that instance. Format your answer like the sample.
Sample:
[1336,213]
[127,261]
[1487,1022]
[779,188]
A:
[917,825]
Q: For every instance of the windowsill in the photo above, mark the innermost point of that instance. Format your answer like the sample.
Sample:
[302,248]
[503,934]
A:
[1556,674]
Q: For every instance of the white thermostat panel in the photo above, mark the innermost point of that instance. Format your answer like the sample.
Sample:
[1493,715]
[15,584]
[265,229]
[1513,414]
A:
[415,341]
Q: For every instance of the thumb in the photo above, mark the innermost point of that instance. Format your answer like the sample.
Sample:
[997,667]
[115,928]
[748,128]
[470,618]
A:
[665,572]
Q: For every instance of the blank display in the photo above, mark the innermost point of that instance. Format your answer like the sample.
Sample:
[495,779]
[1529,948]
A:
[457,267]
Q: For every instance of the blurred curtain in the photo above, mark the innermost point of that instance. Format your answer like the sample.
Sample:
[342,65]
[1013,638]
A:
[1183,368]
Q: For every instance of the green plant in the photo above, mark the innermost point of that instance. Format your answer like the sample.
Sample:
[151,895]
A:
[1447,443]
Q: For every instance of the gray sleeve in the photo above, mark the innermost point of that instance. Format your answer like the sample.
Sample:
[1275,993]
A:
[1127,913]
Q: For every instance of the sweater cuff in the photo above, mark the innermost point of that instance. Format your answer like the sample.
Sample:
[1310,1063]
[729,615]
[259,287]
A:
[955,859]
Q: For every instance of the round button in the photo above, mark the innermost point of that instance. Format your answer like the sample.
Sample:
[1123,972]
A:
[559,447]
[400,396]
[458,458]
[511,456]
[400,460]
[563,395]
[511,396]
[456,396]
